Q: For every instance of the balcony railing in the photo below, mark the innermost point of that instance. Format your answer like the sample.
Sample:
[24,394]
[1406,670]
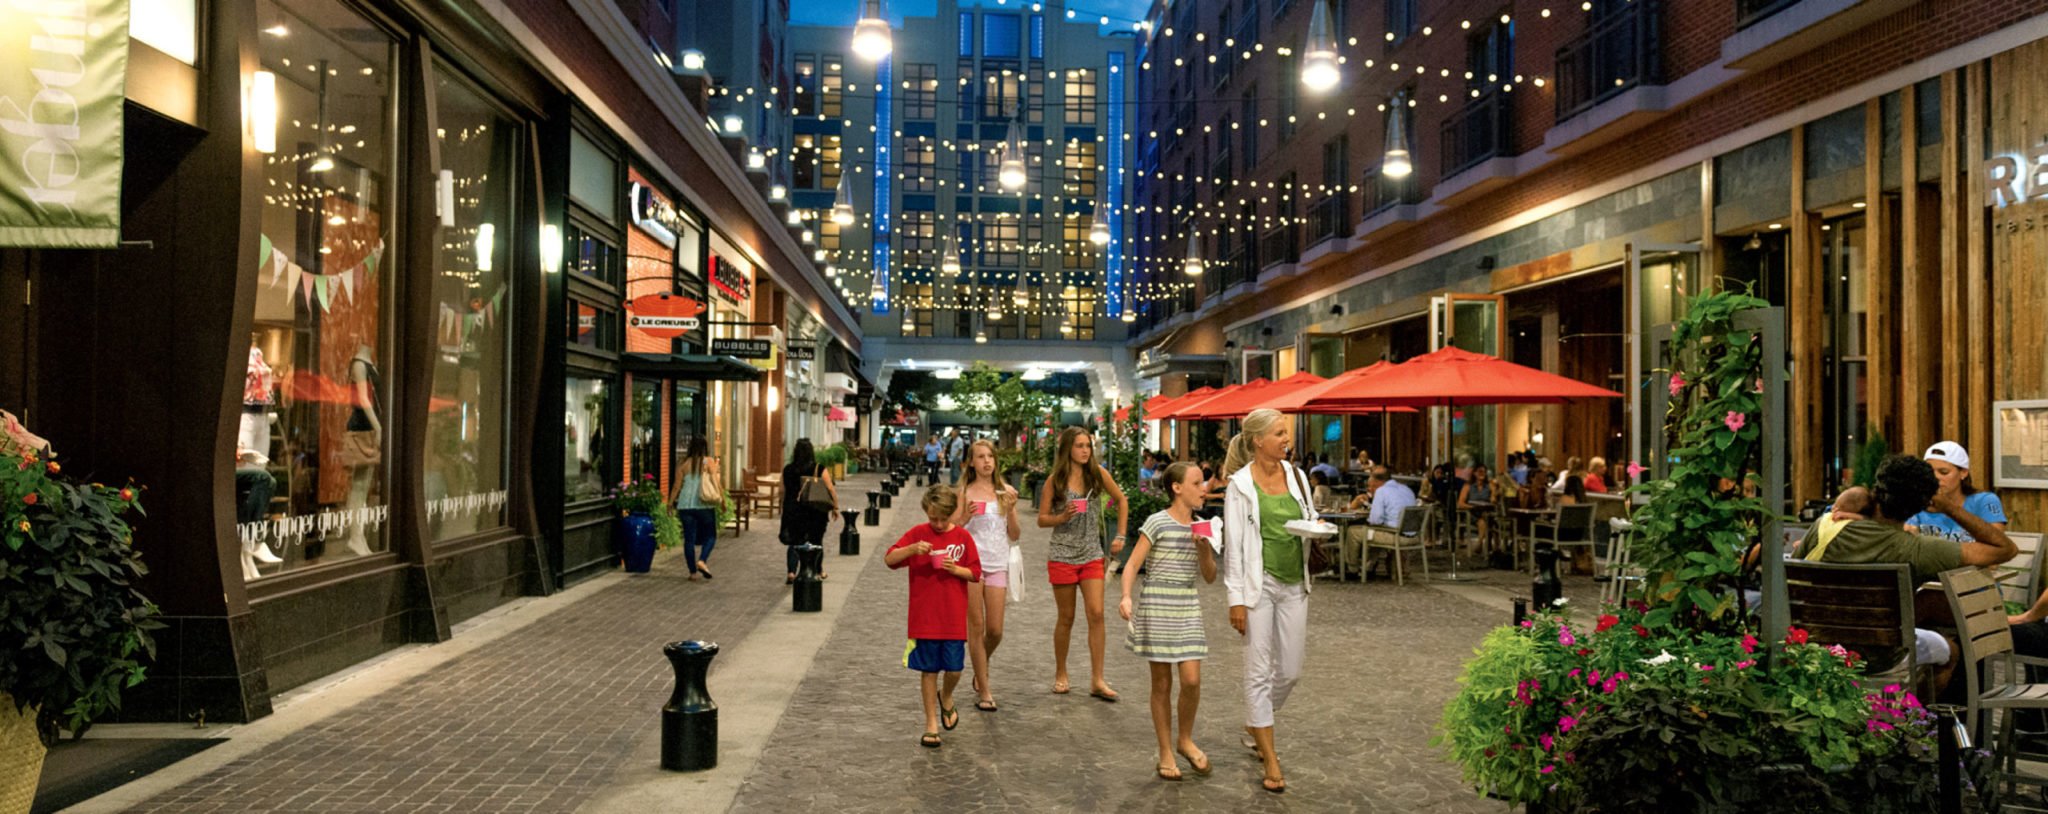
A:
[1476,133]
[1235,268]
[1749,12]
[1618,51]
[1383,193]
[1329,218]
[1280,244]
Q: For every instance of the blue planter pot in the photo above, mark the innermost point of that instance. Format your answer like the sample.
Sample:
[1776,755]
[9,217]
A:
[636,542]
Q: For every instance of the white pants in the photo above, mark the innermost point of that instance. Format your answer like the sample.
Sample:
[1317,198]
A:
[1276,632]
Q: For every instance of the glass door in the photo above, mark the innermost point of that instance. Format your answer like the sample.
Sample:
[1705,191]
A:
[1844,362]
[1469,322]
[1662,282]
[1326,435]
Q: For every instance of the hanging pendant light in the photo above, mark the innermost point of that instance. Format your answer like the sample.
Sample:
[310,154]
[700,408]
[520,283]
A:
[1319,60]
[871,37]
[995,308]
[1019,298]
[842,203]
[1098,232]
[1398,163]
[1192,267]
[1010,173]
[950,263]
[981,337]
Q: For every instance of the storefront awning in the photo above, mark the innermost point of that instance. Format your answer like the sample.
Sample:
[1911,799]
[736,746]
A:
[692,366]
[1153,365]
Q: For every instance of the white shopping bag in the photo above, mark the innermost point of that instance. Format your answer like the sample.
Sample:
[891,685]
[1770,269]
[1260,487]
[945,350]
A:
[1016,572]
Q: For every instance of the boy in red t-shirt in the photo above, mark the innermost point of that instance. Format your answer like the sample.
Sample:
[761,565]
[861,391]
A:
[942,560]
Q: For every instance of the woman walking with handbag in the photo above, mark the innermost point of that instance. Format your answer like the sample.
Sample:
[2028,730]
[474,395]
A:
[700,490]
[805,509]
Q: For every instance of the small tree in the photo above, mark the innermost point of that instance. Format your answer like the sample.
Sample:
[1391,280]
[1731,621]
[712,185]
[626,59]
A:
[986,394]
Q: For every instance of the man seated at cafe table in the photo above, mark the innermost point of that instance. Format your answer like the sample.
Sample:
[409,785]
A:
[1387,498]
[1904,487]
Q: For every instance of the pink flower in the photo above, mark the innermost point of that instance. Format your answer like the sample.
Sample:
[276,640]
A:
[1622,676]
[1593,678]
[1636,470]
[1706,668]
[1749,643]
[1546,740]
[1566,723]
[1548,768]
[1745,664]
[1759,385]
[1735,420]
[1677,383]
[1574,673]
[1607,687]
[1606,621]
[1564,636]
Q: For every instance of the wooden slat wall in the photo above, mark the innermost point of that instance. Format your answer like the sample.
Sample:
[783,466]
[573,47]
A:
[1803,293]
[1916,416]
[1976,430]
[1952,374]
[2018,318]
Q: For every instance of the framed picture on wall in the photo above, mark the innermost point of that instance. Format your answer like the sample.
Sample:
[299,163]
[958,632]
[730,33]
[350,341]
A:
[2019,440]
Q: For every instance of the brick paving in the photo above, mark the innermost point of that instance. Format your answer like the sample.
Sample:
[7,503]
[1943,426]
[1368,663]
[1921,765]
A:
[1354,737]
[534,722]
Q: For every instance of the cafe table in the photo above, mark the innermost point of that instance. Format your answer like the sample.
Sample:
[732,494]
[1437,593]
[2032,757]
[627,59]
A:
[1344,521]
[1518,516]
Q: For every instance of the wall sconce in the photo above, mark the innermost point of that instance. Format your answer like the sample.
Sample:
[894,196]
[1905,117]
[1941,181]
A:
[732,124]
[550,248]
[263,111]
[693,61]
[774,398]
[1337,310]
[755,160]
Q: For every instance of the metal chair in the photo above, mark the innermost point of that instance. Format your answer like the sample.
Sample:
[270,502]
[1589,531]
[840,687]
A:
[1406,537]
[1986,640]
[1573,527]
[1614,583]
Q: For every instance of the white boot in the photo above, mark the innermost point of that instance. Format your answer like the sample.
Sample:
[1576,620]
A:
[261,553]
[249,566]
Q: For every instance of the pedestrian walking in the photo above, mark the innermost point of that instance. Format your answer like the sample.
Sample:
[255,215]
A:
[933,451]
[988,510]
[1067,506]
[700,491]
[1166,619]
[1265,572]
[943,564]
[801,522]
[956,455]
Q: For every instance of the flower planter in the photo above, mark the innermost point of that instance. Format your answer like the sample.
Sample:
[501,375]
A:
[21,757]
[636,542]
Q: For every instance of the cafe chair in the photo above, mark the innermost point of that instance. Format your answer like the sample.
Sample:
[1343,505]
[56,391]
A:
[1865,607]
[1986,643]
[1572,527]
[1400,539]
[1617,574]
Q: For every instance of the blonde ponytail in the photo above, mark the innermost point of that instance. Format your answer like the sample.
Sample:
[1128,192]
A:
[1255,426]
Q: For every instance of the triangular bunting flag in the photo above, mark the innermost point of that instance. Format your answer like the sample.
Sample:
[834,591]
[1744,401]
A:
[322,286]
[263,249]
[348,284]
[305,285]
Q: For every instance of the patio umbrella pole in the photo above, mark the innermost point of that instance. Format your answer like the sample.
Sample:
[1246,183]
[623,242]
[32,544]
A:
[1450,510]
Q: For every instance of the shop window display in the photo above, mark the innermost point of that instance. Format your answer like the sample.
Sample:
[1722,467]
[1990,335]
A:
[586,464]
[465,471]
[310,455]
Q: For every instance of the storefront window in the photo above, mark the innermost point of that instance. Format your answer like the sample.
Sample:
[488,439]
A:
[586,462]
[310,455]
[465,460]
[646,428]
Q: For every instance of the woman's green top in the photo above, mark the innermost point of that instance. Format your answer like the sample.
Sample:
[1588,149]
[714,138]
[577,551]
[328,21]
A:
[1282,551]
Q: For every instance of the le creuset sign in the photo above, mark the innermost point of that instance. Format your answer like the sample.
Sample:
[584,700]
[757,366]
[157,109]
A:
[663,316]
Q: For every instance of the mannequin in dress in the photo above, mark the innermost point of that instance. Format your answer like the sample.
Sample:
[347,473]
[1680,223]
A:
[252,449]
[365,381]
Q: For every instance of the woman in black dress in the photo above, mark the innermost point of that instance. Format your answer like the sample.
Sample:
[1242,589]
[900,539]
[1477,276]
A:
[800,523]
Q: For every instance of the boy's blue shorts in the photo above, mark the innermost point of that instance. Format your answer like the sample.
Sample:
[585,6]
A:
[935,655]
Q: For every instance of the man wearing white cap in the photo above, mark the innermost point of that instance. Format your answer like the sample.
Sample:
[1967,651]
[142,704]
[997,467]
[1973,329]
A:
[1952,468]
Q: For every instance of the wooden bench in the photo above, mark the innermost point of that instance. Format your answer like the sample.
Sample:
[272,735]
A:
[1865,607]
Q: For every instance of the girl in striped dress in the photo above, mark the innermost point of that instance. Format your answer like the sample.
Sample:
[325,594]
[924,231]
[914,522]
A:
[1166,624]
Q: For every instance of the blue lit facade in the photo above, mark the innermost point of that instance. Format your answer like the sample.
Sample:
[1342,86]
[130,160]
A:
[884,204]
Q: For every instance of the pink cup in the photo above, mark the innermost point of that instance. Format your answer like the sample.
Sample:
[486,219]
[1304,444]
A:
[1205,528]
[1080,505]
[981,507]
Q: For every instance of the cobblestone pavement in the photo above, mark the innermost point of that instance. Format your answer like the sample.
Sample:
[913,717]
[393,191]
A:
[535,722]
[1354,737]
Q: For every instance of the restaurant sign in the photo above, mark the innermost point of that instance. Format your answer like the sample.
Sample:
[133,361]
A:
[803,351]
[654,214]
[730,279]
[2015,178]
[663,316]
[62,91]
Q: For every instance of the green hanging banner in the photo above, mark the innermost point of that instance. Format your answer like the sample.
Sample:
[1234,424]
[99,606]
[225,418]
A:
[63,67]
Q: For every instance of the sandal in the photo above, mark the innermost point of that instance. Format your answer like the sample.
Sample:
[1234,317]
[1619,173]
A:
[986,705]
[789,580]
[949,718]
[1061,688]
[1201,767]
[1107,696]
[1163,773]
[702,570]
[1268,785]
[930,740]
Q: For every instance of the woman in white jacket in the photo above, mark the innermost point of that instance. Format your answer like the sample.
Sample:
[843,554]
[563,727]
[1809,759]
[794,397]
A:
[1265,573]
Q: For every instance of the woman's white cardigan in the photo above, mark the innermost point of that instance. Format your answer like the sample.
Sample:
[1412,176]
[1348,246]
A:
[1244,550]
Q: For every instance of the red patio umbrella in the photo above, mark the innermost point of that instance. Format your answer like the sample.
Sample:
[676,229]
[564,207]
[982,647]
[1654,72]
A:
[1250,397]
[1157,409]
[1296,400]
[1449,377]
[1179,410]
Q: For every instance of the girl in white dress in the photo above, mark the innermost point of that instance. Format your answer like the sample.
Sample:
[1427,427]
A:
[988,510]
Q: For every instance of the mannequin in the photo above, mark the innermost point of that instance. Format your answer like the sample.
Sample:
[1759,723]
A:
[252,454]
[363,423]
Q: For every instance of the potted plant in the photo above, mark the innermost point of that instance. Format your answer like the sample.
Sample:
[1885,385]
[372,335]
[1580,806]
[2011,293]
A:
[646,522]
[73,630]
[834,458]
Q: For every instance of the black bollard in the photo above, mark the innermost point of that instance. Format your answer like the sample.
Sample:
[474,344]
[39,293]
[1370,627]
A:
[1521,610]
[1545,588]
[689,721]
[885,500]
[1953,738]
[872,517]
[808,595]
[849,536]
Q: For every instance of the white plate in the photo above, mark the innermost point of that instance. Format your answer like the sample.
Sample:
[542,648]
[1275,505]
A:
[1311,528]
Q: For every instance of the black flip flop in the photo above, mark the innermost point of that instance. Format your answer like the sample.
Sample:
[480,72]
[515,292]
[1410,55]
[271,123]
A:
[1105,697]
[930,740]
[986,706]
[949,718]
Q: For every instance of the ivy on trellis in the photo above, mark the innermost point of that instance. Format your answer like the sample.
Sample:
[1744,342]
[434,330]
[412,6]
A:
[1692,533]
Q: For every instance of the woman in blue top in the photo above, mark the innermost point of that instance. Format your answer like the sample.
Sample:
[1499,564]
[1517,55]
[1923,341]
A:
[1952,468]
[699,519]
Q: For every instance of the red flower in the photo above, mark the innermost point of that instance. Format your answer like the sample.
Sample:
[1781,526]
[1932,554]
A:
[1585,651]
[1642,632]
[1607,620]
[29,498]
[53,468]
[128,494]
[1795,636]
